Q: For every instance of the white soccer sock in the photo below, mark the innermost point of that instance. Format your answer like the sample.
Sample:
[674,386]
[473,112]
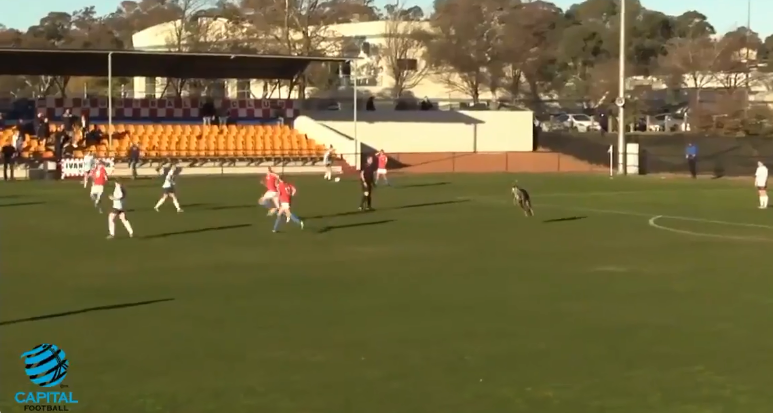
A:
[176,203]
[97,198]
[128,226]
[160,202]
[85,181]
[764,201]
[111,227]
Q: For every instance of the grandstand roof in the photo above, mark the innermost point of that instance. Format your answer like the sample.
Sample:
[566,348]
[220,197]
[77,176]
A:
[132,63]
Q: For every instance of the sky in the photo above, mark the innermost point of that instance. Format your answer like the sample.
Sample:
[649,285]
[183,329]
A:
[725,15]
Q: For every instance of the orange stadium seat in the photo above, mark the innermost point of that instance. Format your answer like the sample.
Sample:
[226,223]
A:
[190,141]
[200,141]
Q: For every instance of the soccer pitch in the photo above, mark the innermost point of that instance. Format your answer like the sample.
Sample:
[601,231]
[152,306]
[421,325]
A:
[629,295]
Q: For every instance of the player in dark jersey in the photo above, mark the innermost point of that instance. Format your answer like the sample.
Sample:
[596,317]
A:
[522,199]
[367,179]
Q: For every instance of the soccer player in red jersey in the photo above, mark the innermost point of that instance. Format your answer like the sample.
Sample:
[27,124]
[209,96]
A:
[269,199]
[98,181]
[286,193]
[381,172]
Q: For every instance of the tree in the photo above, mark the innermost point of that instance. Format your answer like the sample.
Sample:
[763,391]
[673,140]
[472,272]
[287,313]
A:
[403,50]
[465,49]
[531,32]
[692,25]
[54,30]
[692,61]
[398,11]
[737,53]
[192,30]
[294,27]
[346,11]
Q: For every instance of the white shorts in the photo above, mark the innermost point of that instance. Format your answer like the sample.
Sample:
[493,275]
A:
[86,171]
[269,195]
[381,171]
[761,185]
[284,205]
[97,189]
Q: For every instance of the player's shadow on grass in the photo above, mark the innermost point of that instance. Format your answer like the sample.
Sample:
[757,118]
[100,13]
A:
[222,207]
[18,204]
[200,205]
[83,311]
[424,185]
[409,206]
[184,206]
[196,231]
[354,225]
[564,219]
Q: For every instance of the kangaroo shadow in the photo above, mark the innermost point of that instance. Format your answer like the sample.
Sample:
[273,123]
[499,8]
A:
[197,231]
[83,311]
[354,225]
[564,219]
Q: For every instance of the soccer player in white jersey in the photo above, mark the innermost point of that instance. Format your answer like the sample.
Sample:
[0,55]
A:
[119,211]
[328,161]
[88,165]
[168,189]
[761,182]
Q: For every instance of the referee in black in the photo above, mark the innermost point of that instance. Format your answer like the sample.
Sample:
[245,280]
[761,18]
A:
[367,178]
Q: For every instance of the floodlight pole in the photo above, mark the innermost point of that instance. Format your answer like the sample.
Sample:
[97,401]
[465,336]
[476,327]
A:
[353,78]
[621,96]
[110,99]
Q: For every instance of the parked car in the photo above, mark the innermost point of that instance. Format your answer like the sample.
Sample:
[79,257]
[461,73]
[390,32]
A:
[666,122]
[578,121]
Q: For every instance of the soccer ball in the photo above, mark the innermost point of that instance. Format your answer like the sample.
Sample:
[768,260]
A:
[337,179]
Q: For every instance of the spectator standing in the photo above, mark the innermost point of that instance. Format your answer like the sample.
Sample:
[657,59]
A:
[134,158]
[208,112]
[18,141]
[691,154]
[43,131]
[370,105]
[93,136]
[60,139]
[426,104]
[68,121]
[9,157]
[85,123]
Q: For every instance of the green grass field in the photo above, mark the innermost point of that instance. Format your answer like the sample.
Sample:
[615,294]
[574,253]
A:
[446,299]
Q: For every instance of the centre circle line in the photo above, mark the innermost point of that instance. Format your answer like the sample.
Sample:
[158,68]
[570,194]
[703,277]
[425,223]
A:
[652,222]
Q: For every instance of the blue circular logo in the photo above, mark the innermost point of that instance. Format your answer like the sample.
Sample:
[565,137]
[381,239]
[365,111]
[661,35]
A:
[46,365]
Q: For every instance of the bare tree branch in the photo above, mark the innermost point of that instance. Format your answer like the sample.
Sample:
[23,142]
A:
[403,50]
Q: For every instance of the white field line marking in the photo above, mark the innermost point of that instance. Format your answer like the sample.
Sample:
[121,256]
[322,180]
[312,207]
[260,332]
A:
[649,215]
[611,193]
[627,213]
[495,200]
[703,234]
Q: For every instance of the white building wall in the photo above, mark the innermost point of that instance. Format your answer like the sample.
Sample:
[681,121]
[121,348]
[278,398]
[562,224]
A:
[374,79]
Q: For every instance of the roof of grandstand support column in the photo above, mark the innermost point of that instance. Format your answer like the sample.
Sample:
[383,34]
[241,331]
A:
[132,63]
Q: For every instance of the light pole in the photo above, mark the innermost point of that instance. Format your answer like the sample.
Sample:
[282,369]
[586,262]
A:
[620,101]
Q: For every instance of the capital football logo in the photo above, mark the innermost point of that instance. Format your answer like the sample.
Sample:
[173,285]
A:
[46,365]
